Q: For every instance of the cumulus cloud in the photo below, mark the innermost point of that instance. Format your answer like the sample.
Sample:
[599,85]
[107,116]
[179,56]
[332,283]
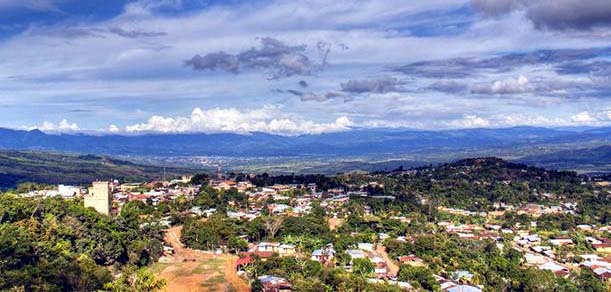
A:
[372,85]
[133,34]
[588,117]
[552,14]
[582,117]
[469,121]
[113,129]
[62,126]
[268,119]
[275,58]
[505,86]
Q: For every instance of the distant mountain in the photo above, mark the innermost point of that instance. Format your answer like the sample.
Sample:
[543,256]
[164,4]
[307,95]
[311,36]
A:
[44,167]
[584,159]
[359,142]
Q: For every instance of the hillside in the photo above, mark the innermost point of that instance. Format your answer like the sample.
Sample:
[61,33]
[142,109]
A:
[46,167]
[584,159]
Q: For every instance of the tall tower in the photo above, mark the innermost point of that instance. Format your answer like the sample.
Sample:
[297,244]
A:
[99,197]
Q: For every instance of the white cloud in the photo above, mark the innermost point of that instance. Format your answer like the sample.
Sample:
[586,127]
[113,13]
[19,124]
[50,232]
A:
[113,129]
[62,126]
[503,86]
[592,118]
[470,121]
[582,117]
[268,119]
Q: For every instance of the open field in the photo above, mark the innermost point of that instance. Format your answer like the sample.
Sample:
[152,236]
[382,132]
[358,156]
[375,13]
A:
[193,270]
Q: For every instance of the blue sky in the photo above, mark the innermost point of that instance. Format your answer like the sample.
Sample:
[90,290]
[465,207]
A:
[299,67]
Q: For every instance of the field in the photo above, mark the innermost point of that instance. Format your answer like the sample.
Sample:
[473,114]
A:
[193,270]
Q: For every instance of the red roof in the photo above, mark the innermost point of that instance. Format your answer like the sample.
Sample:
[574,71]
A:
[243,261]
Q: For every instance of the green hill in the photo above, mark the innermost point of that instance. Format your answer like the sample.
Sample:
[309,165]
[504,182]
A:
[54,168]
[584,160]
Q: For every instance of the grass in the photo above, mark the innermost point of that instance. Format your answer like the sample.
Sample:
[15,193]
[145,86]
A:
[212,273]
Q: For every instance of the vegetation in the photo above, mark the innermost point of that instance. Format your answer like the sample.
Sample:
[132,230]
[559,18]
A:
[53,168]
[58,245]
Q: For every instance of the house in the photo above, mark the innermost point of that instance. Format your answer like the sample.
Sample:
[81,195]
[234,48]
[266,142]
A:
[555,268]
[356,253]
[275,284]
[561,241]
[268,247]
[323,255]
[411,260]
[603,274]
[463,288]
[245,185]
[603,247]
[68,191]
[403,285]
[534,259]
[380,267]
[462,275]
[365,246]
[286,249]
[278,208]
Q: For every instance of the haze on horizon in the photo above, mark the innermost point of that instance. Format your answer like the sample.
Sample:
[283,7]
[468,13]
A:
[302,67]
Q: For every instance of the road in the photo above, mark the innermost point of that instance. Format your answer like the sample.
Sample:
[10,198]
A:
[393,268]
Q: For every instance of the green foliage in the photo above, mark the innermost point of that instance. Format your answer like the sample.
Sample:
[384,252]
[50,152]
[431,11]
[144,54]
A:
[419,277]
[58,245]
[53,168]
[141,280]
[587,281]
[307,275]
[362,267]
[214,232]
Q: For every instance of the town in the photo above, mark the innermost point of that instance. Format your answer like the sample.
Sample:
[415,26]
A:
[377,230]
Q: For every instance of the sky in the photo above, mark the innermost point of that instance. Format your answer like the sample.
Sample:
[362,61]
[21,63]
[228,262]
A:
[303,67]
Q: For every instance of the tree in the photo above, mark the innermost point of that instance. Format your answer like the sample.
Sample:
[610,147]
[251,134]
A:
[141,280]
[418,276]
[362,267]
[272,225]
[587,281]
[237,244]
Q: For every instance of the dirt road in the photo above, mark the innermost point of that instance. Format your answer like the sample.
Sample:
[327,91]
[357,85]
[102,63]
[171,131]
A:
[393,268]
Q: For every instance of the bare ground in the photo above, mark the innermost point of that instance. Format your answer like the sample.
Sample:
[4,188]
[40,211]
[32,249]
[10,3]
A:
[193,270]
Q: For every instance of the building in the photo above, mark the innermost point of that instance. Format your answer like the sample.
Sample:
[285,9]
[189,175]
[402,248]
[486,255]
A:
[286,249]
[68,191]
[411,260]
[275,284]
[323,255]
[99,197]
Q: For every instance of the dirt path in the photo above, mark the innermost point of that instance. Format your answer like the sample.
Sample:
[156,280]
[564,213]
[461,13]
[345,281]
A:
[334,223]
[193,270]
[230,274]
[393,268]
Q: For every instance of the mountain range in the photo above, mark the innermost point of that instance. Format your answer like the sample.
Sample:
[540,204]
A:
[581,149]
[359,142]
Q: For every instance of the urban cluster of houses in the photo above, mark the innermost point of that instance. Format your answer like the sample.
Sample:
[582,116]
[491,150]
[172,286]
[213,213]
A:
[107,197]
[545,258]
